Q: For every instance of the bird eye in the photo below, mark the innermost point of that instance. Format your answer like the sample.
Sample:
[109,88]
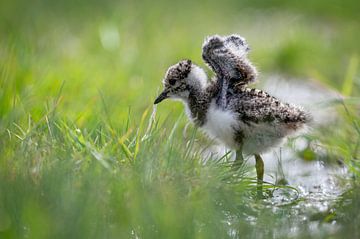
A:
[172,81]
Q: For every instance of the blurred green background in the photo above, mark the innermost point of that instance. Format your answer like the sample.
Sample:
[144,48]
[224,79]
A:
[78,159]
[123,48]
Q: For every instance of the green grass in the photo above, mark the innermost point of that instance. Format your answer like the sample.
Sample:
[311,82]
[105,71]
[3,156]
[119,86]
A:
[84,184]
[82,155]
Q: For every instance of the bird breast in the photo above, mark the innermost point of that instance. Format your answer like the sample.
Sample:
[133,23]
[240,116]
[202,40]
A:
[220,125]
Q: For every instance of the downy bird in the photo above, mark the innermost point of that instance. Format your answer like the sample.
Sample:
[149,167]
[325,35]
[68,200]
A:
[246,120]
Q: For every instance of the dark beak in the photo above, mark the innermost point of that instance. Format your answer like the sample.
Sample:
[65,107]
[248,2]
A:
[161,97]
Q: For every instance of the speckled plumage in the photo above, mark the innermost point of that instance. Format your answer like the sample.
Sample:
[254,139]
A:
[227,110]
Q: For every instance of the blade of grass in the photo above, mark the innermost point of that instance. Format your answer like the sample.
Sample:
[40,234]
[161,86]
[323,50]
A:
[106,111]
[138,138]
[151,124]
[124,148]
[350,75]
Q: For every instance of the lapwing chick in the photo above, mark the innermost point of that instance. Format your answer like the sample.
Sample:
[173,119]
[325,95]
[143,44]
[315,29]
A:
[246,120]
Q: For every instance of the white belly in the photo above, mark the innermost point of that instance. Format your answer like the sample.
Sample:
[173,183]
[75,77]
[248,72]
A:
[220,125]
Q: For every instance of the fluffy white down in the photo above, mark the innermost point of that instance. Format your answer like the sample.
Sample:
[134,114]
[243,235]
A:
[198,75]
[220,125]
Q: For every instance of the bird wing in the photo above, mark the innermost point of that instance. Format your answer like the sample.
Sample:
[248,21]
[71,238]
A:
[258,106]
[227,57]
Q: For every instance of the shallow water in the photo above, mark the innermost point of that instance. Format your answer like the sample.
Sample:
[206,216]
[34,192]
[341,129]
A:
[307,205]
[318,184]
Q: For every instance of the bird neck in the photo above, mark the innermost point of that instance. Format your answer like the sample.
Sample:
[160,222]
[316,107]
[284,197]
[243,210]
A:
[198,103]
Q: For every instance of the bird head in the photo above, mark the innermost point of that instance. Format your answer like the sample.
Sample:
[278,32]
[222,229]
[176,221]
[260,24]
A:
[180,79]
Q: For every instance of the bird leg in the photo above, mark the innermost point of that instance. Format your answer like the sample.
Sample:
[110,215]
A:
[259,165]
[239,159]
